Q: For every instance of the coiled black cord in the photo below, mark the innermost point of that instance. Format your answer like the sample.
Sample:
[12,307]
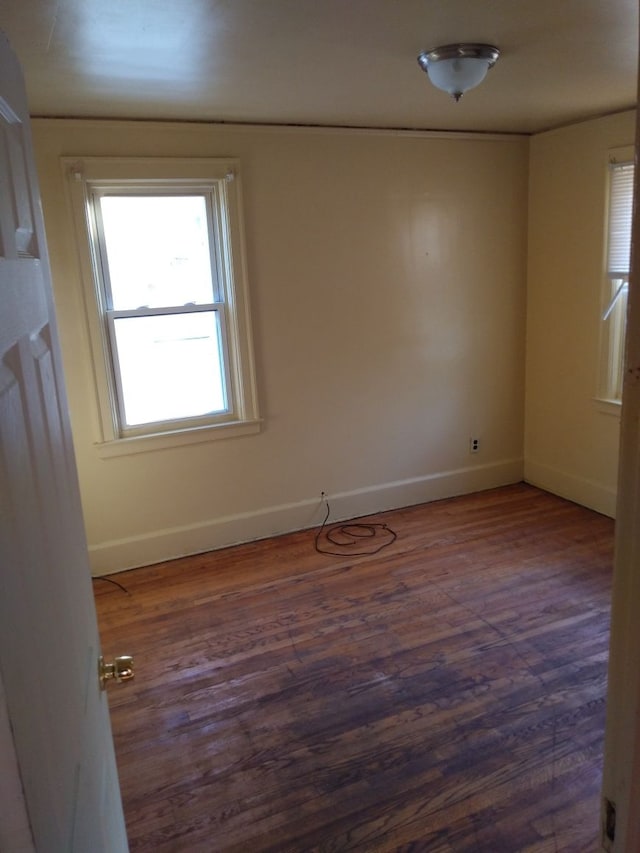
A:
[352,535]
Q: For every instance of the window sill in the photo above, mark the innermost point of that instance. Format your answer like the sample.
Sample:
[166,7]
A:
[177,438]
[608,407]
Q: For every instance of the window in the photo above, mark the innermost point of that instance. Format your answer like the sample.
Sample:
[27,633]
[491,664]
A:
[162,254]
[616,285]
[616,279]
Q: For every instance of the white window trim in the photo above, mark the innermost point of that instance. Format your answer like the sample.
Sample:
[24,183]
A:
[609,407]
[85,173]
[606,402]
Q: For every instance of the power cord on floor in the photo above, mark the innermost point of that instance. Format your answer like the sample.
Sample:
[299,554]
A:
[347,537]
[110,580]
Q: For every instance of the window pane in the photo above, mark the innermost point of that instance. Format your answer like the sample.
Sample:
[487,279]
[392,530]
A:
[170,366]
[157,250]
[617,335]
[620,218]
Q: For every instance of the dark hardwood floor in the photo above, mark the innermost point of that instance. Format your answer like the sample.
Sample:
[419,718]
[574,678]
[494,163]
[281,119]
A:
[446,694]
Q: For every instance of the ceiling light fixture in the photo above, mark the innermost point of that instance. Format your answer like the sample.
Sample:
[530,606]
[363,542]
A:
[456,68]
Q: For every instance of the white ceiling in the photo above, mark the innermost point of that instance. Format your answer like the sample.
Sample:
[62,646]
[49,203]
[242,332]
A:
[323,62]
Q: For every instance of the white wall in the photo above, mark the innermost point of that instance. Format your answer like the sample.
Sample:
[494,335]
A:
[571,442]
[387,276]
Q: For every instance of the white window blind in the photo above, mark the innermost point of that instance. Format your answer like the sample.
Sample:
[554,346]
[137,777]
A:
[620,214]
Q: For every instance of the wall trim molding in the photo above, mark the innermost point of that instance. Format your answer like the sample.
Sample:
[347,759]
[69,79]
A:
[274,127]
[578,489]
[212,534]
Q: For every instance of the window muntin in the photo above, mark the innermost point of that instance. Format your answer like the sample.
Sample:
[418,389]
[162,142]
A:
[616,286]
[162,255]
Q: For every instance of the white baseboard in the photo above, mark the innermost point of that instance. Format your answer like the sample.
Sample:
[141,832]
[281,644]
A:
[577,489]
[159,545]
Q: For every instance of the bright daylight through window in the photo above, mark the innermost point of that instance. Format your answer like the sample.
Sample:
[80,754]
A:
[163,314]
[170,325]
[621,175]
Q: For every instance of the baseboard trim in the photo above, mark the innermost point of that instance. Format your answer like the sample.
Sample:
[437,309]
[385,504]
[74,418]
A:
[157,546]
[578,489]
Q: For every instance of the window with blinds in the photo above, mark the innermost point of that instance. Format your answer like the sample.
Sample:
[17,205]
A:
[616,287]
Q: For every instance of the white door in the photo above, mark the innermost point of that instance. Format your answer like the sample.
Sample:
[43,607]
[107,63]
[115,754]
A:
[49,645]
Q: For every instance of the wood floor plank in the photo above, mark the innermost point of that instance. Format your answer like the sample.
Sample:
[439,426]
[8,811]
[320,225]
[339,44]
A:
[445,694]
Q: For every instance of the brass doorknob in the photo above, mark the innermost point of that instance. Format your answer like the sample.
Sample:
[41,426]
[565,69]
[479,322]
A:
[120,669]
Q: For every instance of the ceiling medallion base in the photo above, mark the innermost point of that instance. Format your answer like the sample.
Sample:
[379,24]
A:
[456,68]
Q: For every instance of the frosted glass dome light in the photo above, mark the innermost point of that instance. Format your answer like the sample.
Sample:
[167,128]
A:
[456,68]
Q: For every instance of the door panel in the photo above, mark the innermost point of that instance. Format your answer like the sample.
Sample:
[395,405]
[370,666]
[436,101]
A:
[49,646]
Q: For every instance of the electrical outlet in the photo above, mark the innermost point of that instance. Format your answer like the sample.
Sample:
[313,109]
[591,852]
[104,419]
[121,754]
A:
[474,445]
